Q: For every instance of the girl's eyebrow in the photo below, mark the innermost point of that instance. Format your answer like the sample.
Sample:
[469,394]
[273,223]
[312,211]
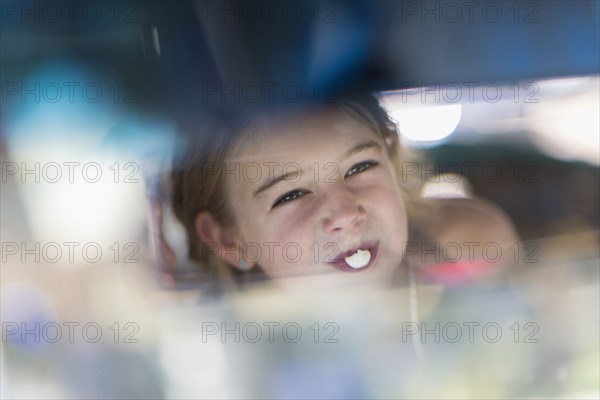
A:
[369,144]
[270,183]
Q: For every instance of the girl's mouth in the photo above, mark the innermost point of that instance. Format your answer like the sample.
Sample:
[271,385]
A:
[356,259]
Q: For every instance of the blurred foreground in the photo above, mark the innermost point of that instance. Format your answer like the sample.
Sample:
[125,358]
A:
[526,331]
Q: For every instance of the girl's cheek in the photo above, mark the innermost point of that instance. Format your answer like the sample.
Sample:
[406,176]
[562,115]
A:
[277,228]
[293,217]
[292,234]
[288,232]
[380,190]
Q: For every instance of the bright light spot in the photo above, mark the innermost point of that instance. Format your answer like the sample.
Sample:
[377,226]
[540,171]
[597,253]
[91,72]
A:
[429,123]
[569,129]
[447,186]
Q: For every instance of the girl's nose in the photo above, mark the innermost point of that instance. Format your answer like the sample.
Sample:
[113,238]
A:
[342,212]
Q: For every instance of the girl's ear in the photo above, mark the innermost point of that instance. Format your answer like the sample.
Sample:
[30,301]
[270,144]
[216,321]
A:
[223,242]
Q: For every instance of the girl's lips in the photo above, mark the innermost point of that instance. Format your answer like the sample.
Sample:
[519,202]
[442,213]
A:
[340,263]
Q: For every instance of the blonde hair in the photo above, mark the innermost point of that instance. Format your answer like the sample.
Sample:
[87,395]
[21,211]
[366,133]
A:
[198,180]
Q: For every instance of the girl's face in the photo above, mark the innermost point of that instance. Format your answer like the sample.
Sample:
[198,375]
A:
[317,195]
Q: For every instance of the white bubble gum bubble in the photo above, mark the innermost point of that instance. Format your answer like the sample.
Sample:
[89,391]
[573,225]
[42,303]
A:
[359,259]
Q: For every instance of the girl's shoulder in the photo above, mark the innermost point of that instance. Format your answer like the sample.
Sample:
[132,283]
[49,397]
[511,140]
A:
[463,220]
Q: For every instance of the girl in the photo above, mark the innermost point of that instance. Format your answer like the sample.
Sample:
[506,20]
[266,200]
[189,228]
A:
[307,192]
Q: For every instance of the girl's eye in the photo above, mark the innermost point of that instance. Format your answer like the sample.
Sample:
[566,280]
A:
[289,196]
[361,167]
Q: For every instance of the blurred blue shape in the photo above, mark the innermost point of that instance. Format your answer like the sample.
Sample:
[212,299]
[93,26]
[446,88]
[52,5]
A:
[25,313]
[312,379]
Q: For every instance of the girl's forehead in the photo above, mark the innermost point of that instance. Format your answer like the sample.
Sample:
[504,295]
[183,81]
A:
[309,131]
